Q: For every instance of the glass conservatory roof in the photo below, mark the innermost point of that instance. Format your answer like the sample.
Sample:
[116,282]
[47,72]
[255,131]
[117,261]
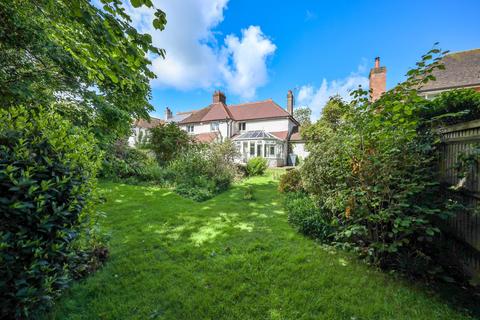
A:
[255,134]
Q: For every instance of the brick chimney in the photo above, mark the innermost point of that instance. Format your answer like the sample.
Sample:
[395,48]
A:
[168,114]
[378,80]
[219,96]
[290,102]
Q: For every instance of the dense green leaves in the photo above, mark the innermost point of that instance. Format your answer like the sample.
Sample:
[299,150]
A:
[47,186]
[90,62]
[167,141]
[256,166]
[372,171]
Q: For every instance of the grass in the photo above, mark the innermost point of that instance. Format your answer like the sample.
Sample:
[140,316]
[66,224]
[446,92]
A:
[230,258]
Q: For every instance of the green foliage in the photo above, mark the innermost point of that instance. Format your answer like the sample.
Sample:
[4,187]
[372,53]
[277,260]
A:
[167,141]
[124,163]
[303,115]
[374,171]
[256,166]
[47,195]
[304,214]
[202,171]
[93,57]
[290,181]
[453,106]
[248,193]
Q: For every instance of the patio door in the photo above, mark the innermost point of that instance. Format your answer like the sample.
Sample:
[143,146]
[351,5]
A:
[259,149]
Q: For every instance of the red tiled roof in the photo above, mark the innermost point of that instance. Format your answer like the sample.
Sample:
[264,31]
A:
[246,111]
[257,110]
[296,136]
[206,137]
[280,134]
[148,124]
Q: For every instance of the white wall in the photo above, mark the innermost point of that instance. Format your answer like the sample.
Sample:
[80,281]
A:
[132,140]
[270,125]
[204,127]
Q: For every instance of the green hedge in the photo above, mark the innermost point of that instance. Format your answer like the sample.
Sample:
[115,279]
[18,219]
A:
[47,190]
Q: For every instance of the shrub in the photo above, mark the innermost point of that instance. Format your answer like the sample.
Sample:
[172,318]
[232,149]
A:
[256,166]
[132,165]
[47,192]
[248,193]
[167,141]
[306,216]
[373,171]
[204,170]
[290,181]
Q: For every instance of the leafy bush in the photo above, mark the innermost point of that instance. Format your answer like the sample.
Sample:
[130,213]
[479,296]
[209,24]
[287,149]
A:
[290,181]
[306,216]
[372,168]
[167,141]
[204,170]
[256,166]
[248,193]
[132,165]
[47,191]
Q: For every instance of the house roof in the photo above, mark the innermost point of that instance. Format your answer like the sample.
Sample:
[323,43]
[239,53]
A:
[206,137]
[245,111]
[282,135]
[256,134]
[257,110]
[296,136]
[462,69]
[147,124]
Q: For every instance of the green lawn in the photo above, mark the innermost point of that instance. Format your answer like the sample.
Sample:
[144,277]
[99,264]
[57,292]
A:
[230,258]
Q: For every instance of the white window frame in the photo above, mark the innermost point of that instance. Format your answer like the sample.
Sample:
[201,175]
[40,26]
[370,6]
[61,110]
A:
[214,126]
[242,126]
[190,128]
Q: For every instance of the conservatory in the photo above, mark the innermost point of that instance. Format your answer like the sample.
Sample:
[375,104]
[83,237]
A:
[263,144]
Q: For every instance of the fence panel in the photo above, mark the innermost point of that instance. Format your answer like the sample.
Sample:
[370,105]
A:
[459,140]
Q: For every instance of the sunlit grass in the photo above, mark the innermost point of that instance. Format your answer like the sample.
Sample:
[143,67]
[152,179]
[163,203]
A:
[229,258]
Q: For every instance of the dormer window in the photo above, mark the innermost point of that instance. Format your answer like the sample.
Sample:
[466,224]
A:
[190,128]
[214,126]
[242,126]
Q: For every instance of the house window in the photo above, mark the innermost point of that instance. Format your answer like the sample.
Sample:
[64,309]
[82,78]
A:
[252,149]
[190,128]
[272,151]
[242,126]
[213,126]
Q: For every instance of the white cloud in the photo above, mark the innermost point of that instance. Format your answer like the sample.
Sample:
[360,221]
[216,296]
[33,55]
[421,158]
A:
[249,55]
[194,58]
[316,98]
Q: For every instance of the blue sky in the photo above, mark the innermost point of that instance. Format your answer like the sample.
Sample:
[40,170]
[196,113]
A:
[255,50]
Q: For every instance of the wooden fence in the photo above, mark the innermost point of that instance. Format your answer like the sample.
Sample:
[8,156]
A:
[458,141]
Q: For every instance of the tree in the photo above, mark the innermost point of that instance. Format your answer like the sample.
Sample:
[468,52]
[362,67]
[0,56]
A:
[303,115]
[88,61]
[333,111]
[167,140]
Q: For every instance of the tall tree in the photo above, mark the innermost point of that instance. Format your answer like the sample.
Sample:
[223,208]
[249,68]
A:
[303,115]
[88,61]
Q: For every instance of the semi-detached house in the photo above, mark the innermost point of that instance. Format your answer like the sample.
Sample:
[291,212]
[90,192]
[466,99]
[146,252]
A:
[258,129]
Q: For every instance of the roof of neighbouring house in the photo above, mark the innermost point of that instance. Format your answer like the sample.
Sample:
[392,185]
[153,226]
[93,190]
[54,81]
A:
[147,124]
[206,137]
[246,111]
[462,69]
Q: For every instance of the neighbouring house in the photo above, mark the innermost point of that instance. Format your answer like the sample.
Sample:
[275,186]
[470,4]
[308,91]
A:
[140,130]
[462,70]
[259,129]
